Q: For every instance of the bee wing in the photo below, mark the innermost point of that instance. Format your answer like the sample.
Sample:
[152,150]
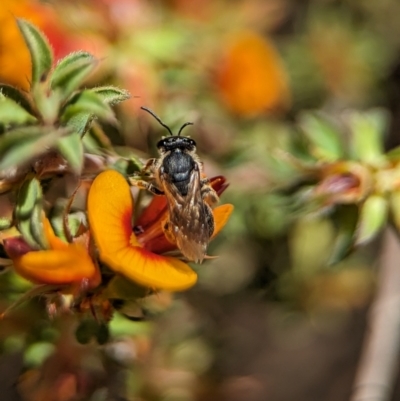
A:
[189,218]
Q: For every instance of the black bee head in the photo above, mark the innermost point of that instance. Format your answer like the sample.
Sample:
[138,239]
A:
[173,142]
[176,142]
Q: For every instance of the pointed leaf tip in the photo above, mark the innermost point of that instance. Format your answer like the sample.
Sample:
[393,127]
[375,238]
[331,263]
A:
[39,48]
[111,95]
[324,137]
[91,103]
[373,216]
[71,71]
[368,131]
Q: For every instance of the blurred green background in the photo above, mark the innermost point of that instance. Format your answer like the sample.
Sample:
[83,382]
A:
[271,318]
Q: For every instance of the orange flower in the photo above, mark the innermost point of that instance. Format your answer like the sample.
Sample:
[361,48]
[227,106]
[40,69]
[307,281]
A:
[137,257]
[15,61]
[61,264]
[251,79]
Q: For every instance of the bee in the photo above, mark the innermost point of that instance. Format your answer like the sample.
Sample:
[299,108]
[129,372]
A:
[178,174]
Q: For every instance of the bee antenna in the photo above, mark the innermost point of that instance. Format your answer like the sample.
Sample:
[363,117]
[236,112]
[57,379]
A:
[158,119]
[183,126]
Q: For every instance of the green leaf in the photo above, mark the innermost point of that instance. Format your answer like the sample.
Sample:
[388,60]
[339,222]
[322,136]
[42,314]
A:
[28,212]
[17,135]
[99,140]
[18,96]
[29,195]
[80,122]
[47,103]
[324,137]
[57,219]
[88,102]
[91,145]
[5,223]
[345,218]
[38,352]
[39,48]
[111,95]
[73,223]
[36,225]
[24,227]
[12,113]
[373,217]
[121,326]
[71,148]
[127,166]
[368,131]
[71,71]
[19,147]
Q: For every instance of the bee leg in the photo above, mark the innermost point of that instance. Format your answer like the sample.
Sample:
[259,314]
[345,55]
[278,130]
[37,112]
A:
[149,166]
[208,193]
[154,190]
[146,185]
[209,219]
[147,169]
[168,232]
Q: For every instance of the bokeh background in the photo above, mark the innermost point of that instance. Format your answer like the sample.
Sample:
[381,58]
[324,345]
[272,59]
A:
[269,319]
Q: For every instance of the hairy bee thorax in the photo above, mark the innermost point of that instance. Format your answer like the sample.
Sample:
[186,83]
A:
[177,161]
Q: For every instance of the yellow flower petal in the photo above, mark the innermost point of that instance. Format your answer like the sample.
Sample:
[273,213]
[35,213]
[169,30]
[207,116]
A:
[64,266]
[110,207]
[221,216]
[151,270]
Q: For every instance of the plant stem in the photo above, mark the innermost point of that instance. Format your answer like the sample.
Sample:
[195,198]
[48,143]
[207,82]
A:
[378,366]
